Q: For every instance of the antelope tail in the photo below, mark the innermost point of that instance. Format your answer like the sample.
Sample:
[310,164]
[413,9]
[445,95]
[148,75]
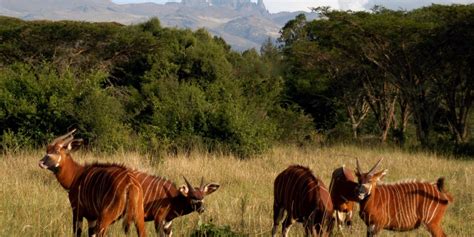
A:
[441,187]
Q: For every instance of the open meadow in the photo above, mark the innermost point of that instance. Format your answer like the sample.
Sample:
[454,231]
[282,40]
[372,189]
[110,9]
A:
[32,203]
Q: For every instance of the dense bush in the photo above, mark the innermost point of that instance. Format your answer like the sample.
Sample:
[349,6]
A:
[138,87]
[38,102]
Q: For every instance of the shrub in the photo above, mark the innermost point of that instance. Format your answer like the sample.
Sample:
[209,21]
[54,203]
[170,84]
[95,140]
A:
[39,103]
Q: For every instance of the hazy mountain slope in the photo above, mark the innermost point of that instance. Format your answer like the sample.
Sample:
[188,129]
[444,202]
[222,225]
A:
[241,23]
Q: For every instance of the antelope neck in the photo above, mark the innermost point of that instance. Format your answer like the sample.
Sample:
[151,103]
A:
[370,198]
[68,172]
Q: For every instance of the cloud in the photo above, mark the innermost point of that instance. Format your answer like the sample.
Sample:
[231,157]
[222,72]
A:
[352,5]
[290,6]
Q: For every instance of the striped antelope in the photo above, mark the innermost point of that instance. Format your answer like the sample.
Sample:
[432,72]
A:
[402,206]
[164,201]
[101,193]
[305,199]
[342,189]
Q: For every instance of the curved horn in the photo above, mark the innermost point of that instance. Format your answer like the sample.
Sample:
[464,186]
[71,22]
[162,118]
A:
[359,170]
[67,140]
[375,166]
[61,138]
[190,187]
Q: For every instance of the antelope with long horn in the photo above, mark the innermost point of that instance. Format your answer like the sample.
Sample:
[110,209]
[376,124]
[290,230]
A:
[402,206]
[164,201]
[101,193]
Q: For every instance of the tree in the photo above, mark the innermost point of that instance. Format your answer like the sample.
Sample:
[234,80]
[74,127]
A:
[293,30]
[453,66]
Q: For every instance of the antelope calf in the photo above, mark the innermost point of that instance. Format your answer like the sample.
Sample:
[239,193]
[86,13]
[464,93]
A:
[163,201]
[343,189]
[402,206]
[101,193]
[305,199]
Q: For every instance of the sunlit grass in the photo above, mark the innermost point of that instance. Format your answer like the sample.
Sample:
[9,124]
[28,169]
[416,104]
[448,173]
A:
[32,203]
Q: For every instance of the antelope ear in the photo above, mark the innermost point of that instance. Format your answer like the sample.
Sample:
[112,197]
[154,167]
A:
[210,188]
[74,144]
[379,175]
[347,172]
[184,190]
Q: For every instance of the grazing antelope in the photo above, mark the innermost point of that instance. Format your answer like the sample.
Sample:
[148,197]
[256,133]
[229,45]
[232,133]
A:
[402,206]
[164,201]
[305,199]
[343,189]
[101,193]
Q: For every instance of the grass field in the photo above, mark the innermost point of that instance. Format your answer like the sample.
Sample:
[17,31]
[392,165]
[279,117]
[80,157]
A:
[32,203]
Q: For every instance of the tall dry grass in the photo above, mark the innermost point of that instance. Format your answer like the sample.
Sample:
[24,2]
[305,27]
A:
[32,203]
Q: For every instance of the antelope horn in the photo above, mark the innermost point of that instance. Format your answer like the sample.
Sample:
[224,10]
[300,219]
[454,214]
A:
[375,166]
[67,140]
[202,183]
[61,138]
[359,170]
[190,187]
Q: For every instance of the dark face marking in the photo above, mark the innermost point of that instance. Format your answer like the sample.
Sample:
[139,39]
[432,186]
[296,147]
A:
[51,160]
[365,186]
[195,198]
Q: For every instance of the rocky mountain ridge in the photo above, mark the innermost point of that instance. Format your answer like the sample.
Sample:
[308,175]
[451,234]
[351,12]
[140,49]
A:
[242,23]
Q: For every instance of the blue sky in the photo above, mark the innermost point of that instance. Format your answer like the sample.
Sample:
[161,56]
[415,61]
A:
[305,5]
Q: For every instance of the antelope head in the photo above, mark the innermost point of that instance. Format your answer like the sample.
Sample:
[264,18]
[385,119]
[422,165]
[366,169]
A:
[58,150]
[194,195]
[368,181]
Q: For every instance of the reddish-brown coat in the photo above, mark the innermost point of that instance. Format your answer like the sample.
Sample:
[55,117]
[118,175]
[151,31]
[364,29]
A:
[164,201]
[402,206]
[342,189]
[101,193]
[305,199]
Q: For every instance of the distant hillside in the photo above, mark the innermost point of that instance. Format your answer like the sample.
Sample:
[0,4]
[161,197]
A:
[242,23]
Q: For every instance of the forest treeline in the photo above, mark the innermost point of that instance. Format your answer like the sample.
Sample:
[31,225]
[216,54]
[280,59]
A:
[400,77]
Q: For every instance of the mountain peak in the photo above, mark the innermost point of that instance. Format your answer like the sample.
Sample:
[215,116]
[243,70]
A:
[232,4]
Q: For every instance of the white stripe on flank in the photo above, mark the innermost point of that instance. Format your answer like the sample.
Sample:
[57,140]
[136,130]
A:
[147,190]
[411,214]
[393,206]
[431,205]
[385,202]
[399,210]
[124,177]
[425,203]
[435,191]
[98,191]
[428,203]
[104,186]
[415,203]
[409,195]
[403,203]
[110,187]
